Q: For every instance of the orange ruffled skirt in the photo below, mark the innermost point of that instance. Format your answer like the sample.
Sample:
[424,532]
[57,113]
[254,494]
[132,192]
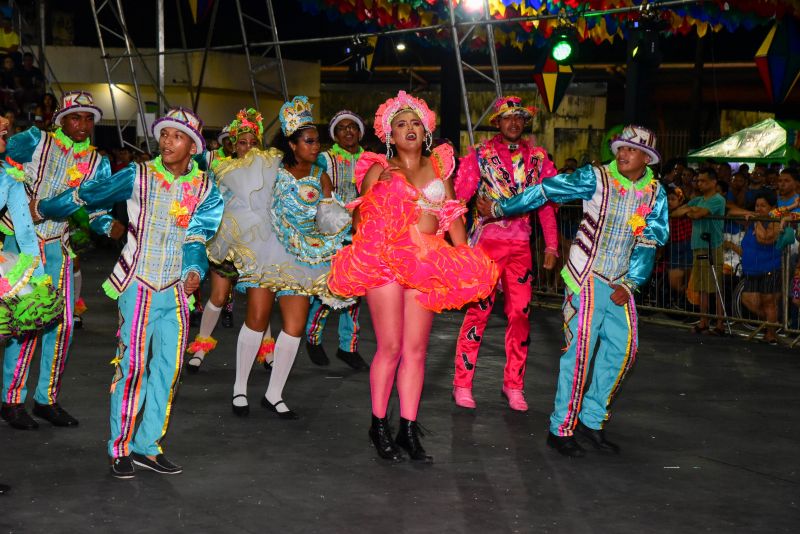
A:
[389,247]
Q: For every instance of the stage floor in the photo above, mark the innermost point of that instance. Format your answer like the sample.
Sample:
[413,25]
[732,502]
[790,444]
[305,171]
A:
[708,430]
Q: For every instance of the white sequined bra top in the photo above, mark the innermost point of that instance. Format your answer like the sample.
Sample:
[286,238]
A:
[432,196]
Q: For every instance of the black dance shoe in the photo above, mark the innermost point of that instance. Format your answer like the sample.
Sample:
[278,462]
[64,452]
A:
[288,414]
[381,436]
[408,438]
[353,359]
[159,465]
[122,467]
[565,445]
[16,416]
[596,438]
[318,354]
[241,411]
[54,413]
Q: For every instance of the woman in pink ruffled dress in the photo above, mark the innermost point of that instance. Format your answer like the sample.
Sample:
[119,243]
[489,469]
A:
[400,260]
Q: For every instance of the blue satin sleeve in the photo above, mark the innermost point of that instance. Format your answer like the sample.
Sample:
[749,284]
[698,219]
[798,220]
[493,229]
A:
[203,160]
[655,235]
[202,228]
[12,194]
[561,188]
[101,223]
[101,192]
[21,146]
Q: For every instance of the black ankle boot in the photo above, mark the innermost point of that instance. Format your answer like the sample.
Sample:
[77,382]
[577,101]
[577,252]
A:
[381,436]
[408,438]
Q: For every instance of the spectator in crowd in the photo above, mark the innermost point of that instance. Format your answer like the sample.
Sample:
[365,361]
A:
[706,245]
[11,117]
[674,172]
[124,156]
[688,178]
[679,247]
[142,157]
[724,172]
[757,184]
[9,79]
[9,39]
[32,80]
[745,168]
[46,108]
[571,163]
[736,191]
[788,198]
[761,265]
[771,180]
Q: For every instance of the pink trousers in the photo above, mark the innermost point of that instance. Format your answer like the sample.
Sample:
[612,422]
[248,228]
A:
[513,259]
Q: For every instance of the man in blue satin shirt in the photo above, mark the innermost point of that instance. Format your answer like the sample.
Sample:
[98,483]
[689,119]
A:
[625,218]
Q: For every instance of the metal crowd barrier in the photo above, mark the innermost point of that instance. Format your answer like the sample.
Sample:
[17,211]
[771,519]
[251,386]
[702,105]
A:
[664,299]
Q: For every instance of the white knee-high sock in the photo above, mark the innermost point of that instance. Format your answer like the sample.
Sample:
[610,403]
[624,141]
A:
[246,350]
[207,324]
[77,283]
[285,351]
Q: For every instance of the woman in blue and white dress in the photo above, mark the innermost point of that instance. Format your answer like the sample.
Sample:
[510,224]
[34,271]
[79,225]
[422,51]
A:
[284,253]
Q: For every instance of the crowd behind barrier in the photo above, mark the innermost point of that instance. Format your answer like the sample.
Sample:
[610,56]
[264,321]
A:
[759,284]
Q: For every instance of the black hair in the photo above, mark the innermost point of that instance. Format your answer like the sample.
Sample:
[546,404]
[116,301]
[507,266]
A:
[723,187]
[770,197]
[708,171]
[792,172]
[281,142]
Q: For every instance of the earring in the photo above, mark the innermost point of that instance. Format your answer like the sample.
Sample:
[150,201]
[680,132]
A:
[428,141]
[389,152]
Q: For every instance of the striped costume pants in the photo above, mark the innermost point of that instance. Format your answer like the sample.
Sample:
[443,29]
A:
[152,339]
[55,339]
[348,324]
[592,321]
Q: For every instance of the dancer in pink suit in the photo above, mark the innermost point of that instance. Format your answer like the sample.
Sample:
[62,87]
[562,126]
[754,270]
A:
[499,168]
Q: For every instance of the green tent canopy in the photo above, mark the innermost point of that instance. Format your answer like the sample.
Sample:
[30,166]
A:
[768,141]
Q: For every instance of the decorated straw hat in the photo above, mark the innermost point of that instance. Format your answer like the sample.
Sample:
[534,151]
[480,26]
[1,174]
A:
[510,105]
[184,120]
[296,115]
[77,102]
[224,134]
[346,114]
[637,137]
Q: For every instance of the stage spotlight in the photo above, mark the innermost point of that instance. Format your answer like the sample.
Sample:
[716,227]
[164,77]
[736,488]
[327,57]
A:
[563,45]
[473,5]
[401,46]
[361,53]
[643,41]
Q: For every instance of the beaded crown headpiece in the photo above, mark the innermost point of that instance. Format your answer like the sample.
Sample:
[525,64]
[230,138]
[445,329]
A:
[402,102]
[510,105]
[184,120]
[295,115]
[247,121]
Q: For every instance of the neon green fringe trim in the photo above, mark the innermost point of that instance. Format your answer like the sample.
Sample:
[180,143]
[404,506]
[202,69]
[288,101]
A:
[6,230]
[571,284]
[110,291]
[24,263]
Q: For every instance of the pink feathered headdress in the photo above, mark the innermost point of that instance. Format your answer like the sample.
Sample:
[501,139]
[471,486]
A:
[402,102]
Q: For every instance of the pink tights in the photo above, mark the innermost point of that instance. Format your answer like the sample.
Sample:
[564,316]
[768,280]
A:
[402,327]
